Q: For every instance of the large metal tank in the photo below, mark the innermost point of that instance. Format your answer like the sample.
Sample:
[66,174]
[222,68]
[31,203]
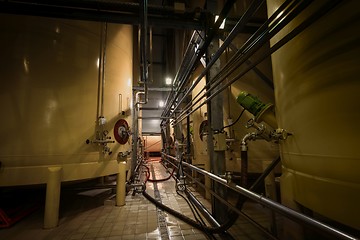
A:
[317,86]
[49,70]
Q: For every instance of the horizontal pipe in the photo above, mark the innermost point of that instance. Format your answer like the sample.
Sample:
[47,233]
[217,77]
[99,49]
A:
[155,117]
[201,51]
[228,68]
[233,208]
[285,211]
[238,28]
[314,17]
[225,226]
[202,209]
[185,66]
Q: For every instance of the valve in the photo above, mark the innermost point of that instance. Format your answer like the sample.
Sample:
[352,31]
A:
[280,134]
[102,120]
[122,156]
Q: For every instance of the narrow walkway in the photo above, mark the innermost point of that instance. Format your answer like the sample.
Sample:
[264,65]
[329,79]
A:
[88,218]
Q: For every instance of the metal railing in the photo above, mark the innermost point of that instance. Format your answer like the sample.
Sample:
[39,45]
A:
[281,209]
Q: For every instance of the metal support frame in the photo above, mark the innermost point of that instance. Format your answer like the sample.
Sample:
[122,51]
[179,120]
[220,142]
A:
[97,10]
[216,158]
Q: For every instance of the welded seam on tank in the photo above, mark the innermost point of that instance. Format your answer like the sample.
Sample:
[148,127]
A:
[160,213]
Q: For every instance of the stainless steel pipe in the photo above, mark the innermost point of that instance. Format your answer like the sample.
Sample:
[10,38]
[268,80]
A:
[285,211]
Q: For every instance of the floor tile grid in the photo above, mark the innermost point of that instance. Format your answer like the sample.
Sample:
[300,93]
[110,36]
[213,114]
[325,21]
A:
[136,220]
[242,228]
[169,196]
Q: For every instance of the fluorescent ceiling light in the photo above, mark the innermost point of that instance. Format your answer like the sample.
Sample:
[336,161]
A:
[168,81]
[222,24]
[161,103]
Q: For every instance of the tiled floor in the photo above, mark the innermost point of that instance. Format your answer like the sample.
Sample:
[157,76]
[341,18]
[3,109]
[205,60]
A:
[84,217]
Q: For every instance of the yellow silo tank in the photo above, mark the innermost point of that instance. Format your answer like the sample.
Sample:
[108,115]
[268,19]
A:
[49,71]
[316,78]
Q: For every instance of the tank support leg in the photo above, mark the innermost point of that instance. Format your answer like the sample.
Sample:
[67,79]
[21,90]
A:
[291,230]
[52,202]
[120,185]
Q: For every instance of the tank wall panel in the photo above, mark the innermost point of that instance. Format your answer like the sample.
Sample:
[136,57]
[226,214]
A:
[317,87]
[49,75]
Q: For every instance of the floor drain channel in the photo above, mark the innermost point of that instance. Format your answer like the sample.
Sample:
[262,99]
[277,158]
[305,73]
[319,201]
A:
[160,214]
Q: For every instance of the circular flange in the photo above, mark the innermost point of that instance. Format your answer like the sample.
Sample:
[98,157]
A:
[121,131]
[203,129]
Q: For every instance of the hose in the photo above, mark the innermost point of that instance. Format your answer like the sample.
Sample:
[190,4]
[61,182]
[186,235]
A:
[232,124]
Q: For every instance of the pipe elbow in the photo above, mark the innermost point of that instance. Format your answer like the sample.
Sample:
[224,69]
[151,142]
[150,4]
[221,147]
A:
[247,137]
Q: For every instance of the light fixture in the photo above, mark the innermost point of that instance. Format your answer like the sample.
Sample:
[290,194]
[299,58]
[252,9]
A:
[222,24]
[161,103]
[168,81]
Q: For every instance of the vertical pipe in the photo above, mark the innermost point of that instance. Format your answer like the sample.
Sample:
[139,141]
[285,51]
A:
[135,128]
[143,48]
[188,142]
[234,32]
[244,166]
[52,202]
[210,150]
[103,68]
[98,114]
[120,184]
[217,163]
[151,55]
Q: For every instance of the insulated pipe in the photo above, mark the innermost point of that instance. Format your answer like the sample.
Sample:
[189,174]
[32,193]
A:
[228,68]
[224,12]
[234,32]
[318,14]
[143,54]
[186,65]
[287,212]
[244,166]
[280,10]
[189,50]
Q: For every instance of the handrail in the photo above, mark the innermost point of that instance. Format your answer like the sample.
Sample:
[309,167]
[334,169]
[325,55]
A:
[285,211]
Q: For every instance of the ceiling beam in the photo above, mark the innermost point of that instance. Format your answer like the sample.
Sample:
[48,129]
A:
[112,12]
[154,89]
